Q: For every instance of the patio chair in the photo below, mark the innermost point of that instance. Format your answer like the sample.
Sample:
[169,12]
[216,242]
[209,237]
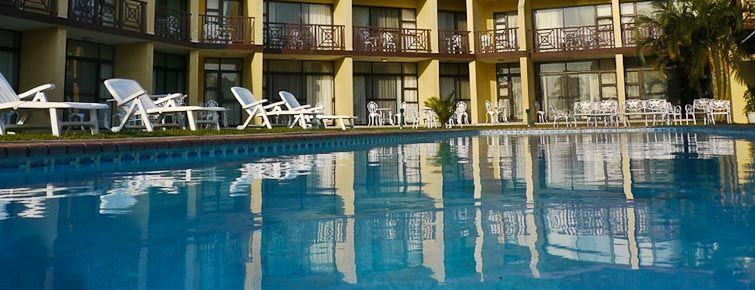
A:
[128,93]
[503,110]
[674,114]
[461,113]
[719,108]
[492,113]
[305,112]
[35,100]
[557,115]
[698,107]
[253,107]
[374,117]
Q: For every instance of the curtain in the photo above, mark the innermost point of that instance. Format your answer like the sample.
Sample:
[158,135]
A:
[579,16]
[446,21]
[232,8]
[447,86]
[361,16]
[516,111]
[320,91]
[385,17]
[284,12]
[317,14]
[387,91]
[8,66]
[360,98]
[547,19]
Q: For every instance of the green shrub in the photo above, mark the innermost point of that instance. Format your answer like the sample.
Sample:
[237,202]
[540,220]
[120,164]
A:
[443,108]
[749,102]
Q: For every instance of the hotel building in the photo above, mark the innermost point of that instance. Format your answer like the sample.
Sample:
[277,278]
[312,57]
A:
[341,54]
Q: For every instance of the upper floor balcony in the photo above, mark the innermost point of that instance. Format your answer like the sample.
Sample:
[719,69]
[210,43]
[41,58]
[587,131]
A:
[172,23]
[748,8]
[216,29]
[453,42]
[574,38]
[121,14]
[303,37]
[631,34]
[497,41]
[384,39]
[37,6]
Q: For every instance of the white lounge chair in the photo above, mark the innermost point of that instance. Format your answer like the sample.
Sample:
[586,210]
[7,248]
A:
[130,94]
[253,107]
[35,99]
[307,112]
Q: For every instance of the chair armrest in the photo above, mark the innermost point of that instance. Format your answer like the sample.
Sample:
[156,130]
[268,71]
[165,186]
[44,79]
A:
[132,97]
[273,105]
[37,93]
[302,108]
[254,104]
[169,100]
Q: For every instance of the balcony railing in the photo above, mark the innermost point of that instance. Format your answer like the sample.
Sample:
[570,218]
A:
[172,23]
[497,41]
[453,41]
[37,6]
[631,34]
[748,8]
[121,14]
[303,37]
[383,39]
[574,38]
[226,29]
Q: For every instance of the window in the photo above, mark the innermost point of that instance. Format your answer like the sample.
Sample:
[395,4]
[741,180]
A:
[88,65]
[505,21]
[509,82]
[220,75]
[452,20]
[384,17]
[10,44]
[224,8]
[563,84]
[630,11]
[168,73]
[387,84]
[298,13]
[310,81]
[644,82]
[573,17]
[454,79]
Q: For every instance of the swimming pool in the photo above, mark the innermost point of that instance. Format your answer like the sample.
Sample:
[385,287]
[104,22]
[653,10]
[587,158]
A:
[659,209]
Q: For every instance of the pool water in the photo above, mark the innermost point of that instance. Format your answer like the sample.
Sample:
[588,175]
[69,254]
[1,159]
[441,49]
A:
[647,210]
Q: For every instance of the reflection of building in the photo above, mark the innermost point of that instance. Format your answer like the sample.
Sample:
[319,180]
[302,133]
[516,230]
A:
[459,212]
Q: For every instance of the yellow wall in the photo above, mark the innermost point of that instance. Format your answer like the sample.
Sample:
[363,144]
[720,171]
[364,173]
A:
[427,18]
[387,3]
[452,5]
[256,9]
[344,86]
[193,76]
[738,89]
[429,81]
[135,61]
[342,16]
[527,68]
[486,89]
[43,60]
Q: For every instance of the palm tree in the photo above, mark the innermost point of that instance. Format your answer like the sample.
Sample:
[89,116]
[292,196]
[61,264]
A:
[695,37]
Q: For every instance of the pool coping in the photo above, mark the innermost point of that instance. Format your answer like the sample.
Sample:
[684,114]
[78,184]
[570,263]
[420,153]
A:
[94,146]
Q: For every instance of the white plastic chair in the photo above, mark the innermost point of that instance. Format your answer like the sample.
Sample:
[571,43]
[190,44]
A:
[492,113]
[253,107]
[129,94]
[374,117]
[35,100]
[306,112]
[461,113]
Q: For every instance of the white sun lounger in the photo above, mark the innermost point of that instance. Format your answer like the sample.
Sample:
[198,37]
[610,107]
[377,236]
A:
[253,107]
[130,94]
[35,100]
[306,112]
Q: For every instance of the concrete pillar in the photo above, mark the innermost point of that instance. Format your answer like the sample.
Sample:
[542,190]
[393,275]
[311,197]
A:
[474,91]
[429,81]
[524,22]
[616,14]
[252,74]
[427,18]
[344,88]
[342,16]
[739,86]
[472,26]
[150,14]
[527,68]
[135,61]
[62,7]
[194,20]
[256,8]
[621,88]
[194,78]
[43,60]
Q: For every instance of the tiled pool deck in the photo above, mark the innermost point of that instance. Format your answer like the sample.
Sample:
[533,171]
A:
[38,148]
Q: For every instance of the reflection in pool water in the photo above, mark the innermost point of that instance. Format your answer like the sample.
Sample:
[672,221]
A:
[662,210]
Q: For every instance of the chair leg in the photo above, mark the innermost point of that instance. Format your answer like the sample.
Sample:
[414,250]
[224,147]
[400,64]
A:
[93,120]
[191,120]
[145,118]
[129,113]
[247,121]
[55,122]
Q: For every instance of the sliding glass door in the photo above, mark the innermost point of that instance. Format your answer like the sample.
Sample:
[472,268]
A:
[311,82]
[509,81]
[220,75]
[563,84]
[387,84]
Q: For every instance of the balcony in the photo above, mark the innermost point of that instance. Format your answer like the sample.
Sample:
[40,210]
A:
[453,41]
[631,34]
[172,23]
[303,37]
[574,38]
[497,41]
[226,29]
[383,39]
[748,8]
[121,14]
[36,6]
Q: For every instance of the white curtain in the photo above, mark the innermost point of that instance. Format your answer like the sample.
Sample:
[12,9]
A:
[317,14]
[549,18]
[360,98]
[320,91]
[361,16]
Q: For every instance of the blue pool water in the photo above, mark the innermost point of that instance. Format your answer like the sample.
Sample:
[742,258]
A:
[641,210]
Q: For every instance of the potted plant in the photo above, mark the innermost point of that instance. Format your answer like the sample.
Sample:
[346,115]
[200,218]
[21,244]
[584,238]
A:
[750,106]
[443,108]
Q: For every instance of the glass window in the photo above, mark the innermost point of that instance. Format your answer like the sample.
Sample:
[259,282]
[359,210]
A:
[168,73]
[576,16]
[581,81]
[88,65]
[311,82]
[644,82]
[510,91]
[9,56]
[387,84]
[220,75]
